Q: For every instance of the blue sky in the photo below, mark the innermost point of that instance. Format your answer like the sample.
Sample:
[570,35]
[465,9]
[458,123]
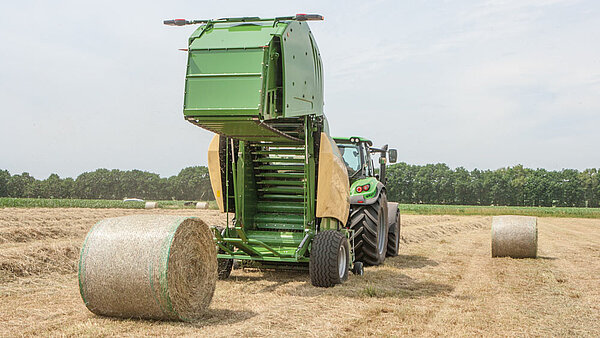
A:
[485,84]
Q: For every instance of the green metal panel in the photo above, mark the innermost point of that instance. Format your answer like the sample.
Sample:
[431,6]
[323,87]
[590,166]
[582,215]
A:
[235,95]
[303,80]
[225,61]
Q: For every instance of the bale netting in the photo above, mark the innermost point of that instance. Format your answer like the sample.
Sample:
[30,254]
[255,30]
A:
[151,205]
[148,266]
[202,205]
[514,236]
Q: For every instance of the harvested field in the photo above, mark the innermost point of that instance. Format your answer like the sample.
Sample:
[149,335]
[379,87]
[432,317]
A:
[443,283]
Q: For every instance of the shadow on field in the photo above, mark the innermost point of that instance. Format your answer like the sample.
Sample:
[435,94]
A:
[377,282]
[383,281]
[212,317]
[277,278]
[223,316]
[410,261]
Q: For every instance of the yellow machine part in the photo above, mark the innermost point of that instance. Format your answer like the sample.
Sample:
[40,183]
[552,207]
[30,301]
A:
[333,191]
[214,170]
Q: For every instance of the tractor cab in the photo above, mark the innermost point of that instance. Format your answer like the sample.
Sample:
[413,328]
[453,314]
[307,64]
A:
[357,153]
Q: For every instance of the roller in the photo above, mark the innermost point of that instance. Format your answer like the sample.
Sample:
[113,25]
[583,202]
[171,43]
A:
[202,205]
[148,266]
[514,236]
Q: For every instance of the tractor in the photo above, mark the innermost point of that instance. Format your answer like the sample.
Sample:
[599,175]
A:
[374,221]
[292,199]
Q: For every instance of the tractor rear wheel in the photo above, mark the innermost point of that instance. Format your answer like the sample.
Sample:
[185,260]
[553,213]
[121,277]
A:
[224,265]
[369,223]
[329,259]
[394,227]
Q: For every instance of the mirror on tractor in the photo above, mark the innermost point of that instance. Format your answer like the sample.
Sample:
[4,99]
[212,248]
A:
[393,153]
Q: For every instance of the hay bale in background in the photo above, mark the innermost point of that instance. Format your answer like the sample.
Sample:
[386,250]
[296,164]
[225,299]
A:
[202,205]
[151,205]
[148,266]
[514,236]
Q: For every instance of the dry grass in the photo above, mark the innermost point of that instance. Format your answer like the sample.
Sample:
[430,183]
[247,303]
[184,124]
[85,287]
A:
[443,283]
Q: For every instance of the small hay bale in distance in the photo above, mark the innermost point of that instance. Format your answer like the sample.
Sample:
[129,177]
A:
[151,205]
[202,205]
[514,236]
[148,266]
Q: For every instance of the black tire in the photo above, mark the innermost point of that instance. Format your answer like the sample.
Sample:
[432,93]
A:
[224,265]
[369,223]
[329,259]
[394,226]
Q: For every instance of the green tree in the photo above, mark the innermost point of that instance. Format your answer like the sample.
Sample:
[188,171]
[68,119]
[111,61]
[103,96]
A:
[4,178]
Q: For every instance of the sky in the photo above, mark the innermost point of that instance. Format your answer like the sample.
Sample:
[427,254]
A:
[477,84]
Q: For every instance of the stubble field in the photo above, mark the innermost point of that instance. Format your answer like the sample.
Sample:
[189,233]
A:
[443,283]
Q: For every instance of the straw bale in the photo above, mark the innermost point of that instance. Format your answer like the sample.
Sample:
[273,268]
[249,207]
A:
[202,205]
[151,205]
[148,266]
[514,236]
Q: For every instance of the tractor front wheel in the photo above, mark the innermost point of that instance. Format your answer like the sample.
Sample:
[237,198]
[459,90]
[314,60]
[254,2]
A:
[329,259]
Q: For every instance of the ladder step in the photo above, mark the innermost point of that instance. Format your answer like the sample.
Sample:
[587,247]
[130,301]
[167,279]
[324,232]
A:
[294,167]
[281,182]
[279,218]
[279,160]
[280,152]
[283,190]
[281,175]
[286,207]
[281,197]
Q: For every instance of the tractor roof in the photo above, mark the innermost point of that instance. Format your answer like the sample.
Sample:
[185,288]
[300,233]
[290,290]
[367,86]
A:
[353,139]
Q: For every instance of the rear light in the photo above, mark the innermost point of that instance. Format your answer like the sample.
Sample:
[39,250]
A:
[176,22]
[359,189]
[366,187]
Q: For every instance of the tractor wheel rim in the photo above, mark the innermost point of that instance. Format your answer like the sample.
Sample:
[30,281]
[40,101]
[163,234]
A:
[381,235]
[342,261]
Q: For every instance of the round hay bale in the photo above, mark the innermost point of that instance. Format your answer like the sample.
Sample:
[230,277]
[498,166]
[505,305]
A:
[151,205]
[202,205]
[148,266]
[514,236]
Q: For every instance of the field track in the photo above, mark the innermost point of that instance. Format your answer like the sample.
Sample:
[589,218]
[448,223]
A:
[443,283]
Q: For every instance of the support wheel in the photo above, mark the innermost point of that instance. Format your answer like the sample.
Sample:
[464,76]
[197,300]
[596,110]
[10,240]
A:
[224,266]
[358,269]
[394,226]
[329,259]
[369,223]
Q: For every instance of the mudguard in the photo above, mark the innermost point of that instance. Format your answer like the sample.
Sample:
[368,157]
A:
[366,197]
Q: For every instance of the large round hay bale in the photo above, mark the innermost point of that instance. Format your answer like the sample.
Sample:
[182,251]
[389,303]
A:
[151,205]
[202,205]
[514,236]
[148,266]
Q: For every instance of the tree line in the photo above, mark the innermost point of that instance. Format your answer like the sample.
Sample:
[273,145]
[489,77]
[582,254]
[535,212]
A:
[513,186]
[192,183]
[406,183]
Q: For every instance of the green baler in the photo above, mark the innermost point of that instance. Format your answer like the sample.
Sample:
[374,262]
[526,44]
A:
[258,85]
